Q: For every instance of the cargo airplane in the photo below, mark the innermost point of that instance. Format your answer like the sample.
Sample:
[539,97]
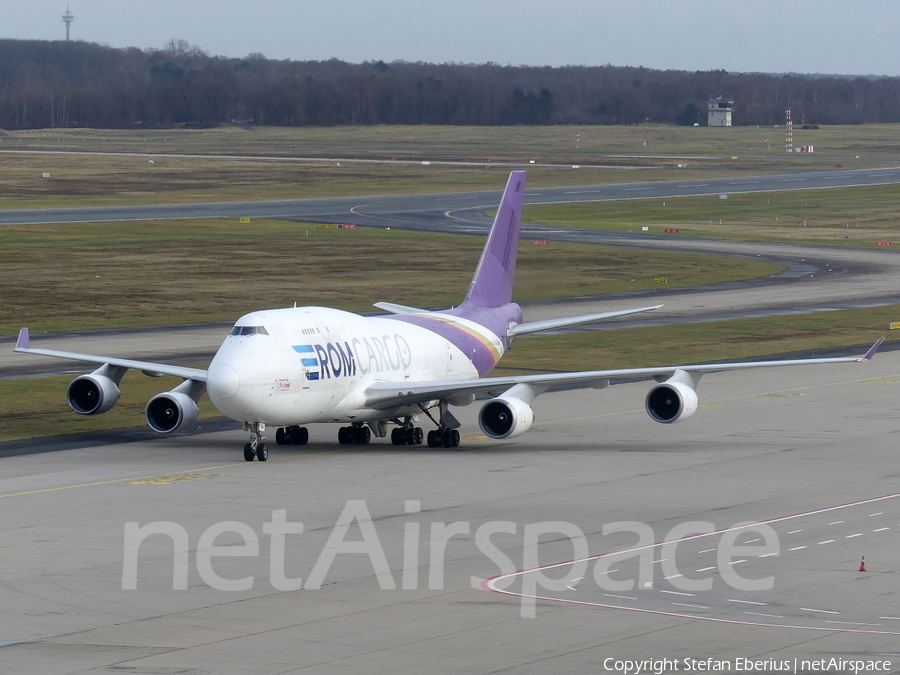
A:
[285,368]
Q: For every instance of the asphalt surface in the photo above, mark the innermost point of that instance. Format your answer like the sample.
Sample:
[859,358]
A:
[805,451]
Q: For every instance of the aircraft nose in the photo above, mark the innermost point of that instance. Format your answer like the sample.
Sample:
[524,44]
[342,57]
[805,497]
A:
[222,382]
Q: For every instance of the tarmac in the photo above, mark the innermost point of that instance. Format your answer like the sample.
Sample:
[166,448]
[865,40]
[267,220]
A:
[392,570]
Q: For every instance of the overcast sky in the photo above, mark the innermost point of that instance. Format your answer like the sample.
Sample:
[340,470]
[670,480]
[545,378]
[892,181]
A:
[803,36]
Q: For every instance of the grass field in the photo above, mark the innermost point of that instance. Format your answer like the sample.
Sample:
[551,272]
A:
[229,164]
[81,276]
[64,277]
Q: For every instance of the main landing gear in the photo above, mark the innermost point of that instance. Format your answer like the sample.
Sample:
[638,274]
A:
[356,433]
[257,446]
[443,437]
[292,435]
[447,433]
[407,434]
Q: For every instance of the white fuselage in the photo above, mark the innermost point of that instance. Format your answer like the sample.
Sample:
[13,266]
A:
[313,364]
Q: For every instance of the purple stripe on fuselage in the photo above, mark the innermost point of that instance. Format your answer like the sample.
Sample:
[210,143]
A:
[474,349]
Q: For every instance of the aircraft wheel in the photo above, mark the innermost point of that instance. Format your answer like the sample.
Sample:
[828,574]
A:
[344,435]
[248,453]
[420,436]
[398,436]
[362,435]
[410,435]
[299,436]
[434,439]
[450,438]
[281,437]
[262,452]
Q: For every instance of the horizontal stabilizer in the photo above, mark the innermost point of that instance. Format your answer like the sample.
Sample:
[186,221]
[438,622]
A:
[391,308]
[553,324]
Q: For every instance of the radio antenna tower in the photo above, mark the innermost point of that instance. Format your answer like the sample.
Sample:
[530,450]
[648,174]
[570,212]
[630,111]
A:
[68,18]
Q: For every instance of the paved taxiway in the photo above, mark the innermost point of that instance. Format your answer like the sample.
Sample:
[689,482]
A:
[403,209]
[765,445]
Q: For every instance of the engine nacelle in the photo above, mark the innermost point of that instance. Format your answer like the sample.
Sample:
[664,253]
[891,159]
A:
[505,417]
[170,412]
[92,394]
[671,402]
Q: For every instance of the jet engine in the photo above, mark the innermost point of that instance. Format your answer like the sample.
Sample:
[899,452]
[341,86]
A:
[672,400]
[505,417]
[171,411]
[92,394]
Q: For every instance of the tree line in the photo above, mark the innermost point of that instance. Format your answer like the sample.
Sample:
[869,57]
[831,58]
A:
[57,84]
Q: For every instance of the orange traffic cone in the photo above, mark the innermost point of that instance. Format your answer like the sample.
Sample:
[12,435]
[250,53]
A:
[862,565]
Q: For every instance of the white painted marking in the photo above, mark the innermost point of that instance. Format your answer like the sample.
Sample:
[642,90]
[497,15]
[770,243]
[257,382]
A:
[737,562]
[706,550]
[824,611]
[609,571]
[881,529]
[706,569]
[750,541]
[660,560]
[795,531]
[880,513]
[678,592]
[853,623]
[837,522]
[796,548]
[858,534]
[773,616]
[570,588]
[747,602]
[673,576]
[827,541]
[768,555]
[635,189]
[623,597]
[683,604]
[791,180]
[892,618]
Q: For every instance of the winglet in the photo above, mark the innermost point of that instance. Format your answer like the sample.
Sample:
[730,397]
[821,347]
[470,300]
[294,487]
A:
[874,348]
[23,341]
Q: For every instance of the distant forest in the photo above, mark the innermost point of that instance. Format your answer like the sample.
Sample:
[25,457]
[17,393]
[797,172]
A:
[79,84]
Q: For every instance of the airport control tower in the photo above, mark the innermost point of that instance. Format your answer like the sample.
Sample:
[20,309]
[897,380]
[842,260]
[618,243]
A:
[68,18]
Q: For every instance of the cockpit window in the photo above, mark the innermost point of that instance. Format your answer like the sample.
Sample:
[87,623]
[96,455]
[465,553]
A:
[249,330]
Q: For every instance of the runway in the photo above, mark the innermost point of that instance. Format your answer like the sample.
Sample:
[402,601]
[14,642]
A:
[765,447]
[401,210]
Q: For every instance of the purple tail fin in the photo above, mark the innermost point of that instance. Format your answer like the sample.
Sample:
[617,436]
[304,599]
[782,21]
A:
[493,281]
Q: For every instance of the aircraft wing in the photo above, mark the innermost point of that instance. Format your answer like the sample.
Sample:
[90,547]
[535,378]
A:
[23,346]
[384,395]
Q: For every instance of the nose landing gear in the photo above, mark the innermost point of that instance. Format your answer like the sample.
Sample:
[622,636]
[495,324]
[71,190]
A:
[257,446]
